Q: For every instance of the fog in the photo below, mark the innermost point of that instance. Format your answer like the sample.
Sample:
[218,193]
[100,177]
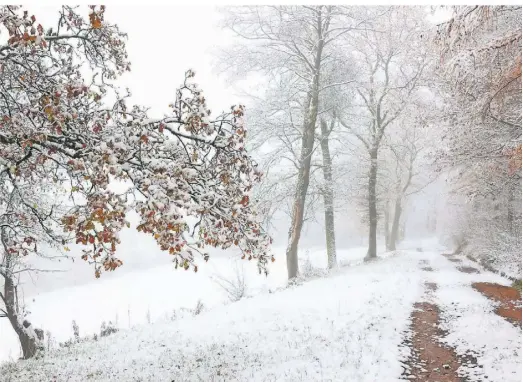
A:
[367,133]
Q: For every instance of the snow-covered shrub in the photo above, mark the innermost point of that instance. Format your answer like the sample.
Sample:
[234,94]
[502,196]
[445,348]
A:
[76,339]
[503,253]
[76,331]
[235,286]
[307,270]
[70,342]
[50,340]
[487,230]
[107,329]
[180,313]
[148,315]
[199,308]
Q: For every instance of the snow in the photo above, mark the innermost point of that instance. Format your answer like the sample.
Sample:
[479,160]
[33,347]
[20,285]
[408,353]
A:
[127,297]
[316,330]
[473,327]
[347,325]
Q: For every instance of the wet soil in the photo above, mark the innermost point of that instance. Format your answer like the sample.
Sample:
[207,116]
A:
[430,360]
[509,300]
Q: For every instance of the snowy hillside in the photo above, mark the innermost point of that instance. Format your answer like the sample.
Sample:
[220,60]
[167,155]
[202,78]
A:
[348,326]
[134,298]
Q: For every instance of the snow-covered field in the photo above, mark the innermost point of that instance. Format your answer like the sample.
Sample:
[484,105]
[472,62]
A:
[134,298]
[347,326]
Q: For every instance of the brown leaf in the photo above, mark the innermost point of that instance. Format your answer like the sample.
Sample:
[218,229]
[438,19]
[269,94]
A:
[96,22]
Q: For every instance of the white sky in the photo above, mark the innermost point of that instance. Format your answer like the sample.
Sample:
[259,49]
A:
[163,42]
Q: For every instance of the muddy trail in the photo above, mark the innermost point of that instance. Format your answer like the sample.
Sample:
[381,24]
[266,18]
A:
[430,359]
[509,300]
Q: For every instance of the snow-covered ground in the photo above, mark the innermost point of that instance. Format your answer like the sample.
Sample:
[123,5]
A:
[472,326]
[131,298]
[347,326]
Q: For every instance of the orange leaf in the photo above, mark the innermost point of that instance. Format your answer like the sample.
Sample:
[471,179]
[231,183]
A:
[96,23]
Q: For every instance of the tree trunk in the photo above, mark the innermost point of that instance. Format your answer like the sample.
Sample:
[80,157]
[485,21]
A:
[387,224]
[328,196]
[402,231]
[30,338]
[373,216]
[307,146]
[302,185]
[510,211]
[394,233]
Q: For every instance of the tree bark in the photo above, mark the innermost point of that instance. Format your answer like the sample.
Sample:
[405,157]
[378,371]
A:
[402,231]
[373,215]
[510,211]
[328,196]
[387,224]
[394,233]
[30,338]
[302,185]
[307,146]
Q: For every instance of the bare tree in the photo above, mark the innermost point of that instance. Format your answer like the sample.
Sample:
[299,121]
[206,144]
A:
[293,46]
[388,82]
[407,169]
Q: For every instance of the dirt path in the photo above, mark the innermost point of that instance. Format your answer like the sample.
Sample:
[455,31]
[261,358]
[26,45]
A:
[430,360]
[509,299]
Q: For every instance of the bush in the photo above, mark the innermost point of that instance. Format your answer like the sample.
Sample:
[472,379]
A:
[107,329]
[235,287]
[199,308]
[310,271]
[76,331]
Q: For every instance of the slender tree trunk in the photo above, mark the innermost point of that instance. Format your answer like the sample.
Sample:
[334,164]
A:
[373,215]
[307,146]
[402,231]
[302,185]
[299,206]
[387,224]
[328,196]
[394,234]
[510,211]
